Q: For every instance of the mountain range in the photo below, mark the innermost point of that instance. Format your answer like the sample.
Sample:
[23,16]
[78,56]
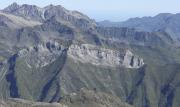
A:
[53,57]
[166,22]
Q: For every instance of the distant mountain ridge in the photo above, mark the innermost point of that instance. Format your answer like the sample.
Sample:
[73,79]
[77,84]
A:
[167,22]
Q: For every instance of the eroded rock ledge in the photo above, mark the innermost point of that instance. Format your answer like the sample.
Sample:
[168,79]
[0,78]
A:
[87,53]
[45,54]
[42,54]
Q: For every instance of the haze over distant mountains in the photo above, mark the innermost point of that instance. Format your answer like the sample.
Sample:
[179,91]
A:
[167,22]
[55,57]
[114,10]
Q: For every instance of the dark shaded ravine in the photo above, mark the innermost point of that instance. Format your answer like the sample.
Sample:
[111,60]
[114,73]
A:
[168,90]
[11,78]
[56,97]
[138,82]
[167,96]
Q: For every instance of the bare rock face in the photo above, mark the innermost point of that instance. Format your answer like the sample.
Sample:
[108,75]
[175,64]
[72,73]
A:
[44,54]
[87,53]
[132,61]
[41,55]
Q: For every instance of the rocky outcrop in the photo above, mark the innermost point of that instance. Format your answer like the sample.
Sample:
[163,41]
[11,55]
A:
[85,53]
[41,55]
[95,55]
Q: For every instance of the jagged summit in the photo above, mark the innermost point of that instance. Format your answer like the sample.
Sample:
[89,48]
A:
[11,7]
[33,12]
[14,6]
[30,12]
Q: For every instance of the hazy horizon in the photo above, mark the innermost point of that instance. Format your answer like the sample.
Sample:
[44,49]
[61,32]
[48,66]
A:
[114,10]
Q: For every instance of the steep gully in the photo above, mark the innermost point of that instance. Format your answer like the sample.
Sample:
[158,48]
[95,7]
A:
[11,78]
[56,97]
[168,90]
[138,82]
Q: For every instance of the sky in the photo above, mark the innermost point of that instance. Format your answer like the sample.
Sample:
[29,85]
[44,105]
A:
[113,10]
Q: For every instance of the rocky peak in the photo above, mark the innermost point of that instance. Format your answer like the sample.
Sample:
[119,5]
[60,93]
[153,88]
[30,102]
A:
[33,12]
[30,12]
[73,17]
[12,7]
